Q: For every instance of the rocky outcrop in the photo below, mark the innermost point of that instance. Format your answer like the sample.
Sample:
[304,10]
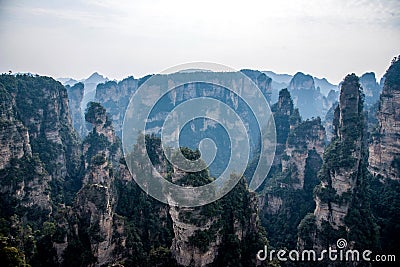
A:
[115,98]
[324,86]
[384,161]
[349,133]
[75,97]
[341,198]
[185,248]
[262,81]
[286,117]
[13,134]
[40,163]
[96,200]
[22,177]
[384,150]
[305,137]
[42,106]
[305,96]
[370,87]
[298,158]
[310,101]
[90,84]
[204,236]
[302,81]
[38,138]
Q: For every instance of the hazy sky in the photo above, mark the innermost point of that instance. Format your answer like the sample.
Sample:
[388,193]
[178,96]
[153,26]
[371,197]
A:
[119,38]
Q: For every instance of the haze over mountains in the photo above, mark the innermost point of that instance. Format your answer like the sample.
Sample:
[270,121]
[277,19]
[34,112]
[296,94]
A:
[314,96]
[67,197]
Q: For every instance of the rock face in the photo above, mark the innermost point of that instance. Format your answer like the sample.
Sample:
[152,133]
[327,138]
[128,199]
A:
[69,203]
[186,231]
[22,177]
[324,86]
[302,81]
[310,101]
[328,123]
[40,163]
[96,201]
[115,98]
[204,236]
[384,150]
[294,174]
[14,135]
[90,89]
[340,198]
[305,96]
[36,120]
[75,97]
[307,136]
[286,117]
[370,87]
[349,132]
[262,81]
[384,161]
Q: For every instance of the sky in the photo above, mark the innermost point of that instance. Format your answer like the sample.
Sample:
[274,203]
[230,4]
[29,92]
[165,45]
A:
[120,38]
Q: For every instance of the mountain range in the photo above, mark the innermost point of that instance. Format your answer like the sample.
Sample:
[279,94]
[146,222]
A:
[68,198]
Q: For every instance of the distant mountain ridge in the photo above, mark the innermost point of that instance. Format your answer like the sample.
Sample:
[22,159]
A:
[88,91]
[69,200]
[313,99]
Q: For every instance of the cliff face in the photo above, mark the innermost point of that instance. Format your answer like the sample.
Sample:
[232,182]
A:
[370,87]
[95,201]
[310,101]
[205,236]
[22,177]
[384,161]
[115,99]
[115,96]
[75,97]
[306,137]
[40,162]
[328,122]
[286,117]
[384,149]
[302,81]
[294,174]
[42,106]
[185,246]
[341,197]
[38,112]
[305,96]
[12,130]
[262,81]
[347,146]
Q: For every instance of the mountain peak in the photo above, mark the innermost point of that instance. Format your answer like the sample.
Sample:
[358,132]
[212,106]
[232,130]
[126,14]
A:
[96,78]
[301,81]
